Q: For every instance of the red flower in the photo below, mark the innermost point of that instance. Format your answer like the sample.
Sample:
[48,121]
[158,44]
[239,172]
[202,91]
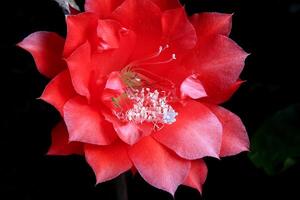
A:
[138,83]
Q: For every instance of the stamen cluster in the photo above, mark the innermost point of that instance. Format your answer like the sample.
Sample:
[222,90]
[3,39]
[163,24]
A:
[149,106]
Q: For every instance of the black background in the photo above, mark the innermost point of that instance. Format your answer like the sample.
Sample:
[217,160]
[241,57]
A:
[268,29]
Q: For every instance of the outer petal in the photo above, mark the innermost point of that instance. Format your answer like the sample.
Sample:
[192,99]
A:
[144,18]
[79,64]
[217,59]
[225,95]
[60,143]
[103,8]
[192,87]
[218,62]
[85,124]
[235,138]
[196,133]
[108,161]
[177,30]
[80,28]
[59,91]
[158,166]
[46,49]
[197,175]
[207,24]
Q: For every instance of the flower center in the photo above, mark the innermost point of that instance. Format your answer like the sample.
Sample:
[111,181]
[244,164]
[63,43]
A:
[148,106]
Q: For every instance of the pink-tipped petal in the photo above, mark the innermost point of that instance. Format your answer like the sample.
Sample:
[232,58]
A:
[60,144]
[85,124]
[59,91]
[80,28]
[109,161]
[235,138]
[46,49]
[159,166]
[196,133]
[192,87]
[178,32]
[197,175]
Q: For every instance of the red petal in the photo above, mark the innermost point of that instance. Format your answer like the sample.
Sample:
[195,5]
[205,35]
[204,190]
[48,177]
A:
[144,18]
[131,13]
[196,133]
[158,166]
[197,175]
[235,138]
[219,63]
[109,161]
[178,32]
[80,69]
[225,95]
[207,24]
[103,8]
[46,49]
[217,59]
[60,142]
[80,28]
[104,61]
[108,31]
[59,91]
[192,87]
[85,124]
[167,4]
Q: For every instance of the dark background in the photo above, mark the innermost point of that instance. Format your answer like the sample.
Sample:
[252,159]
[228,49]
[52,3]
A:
[268,29]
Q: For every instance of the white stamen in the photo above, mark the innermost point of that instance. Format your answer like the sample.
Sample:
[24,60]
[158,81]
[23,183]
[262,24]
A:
[174,56]
[149,107]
